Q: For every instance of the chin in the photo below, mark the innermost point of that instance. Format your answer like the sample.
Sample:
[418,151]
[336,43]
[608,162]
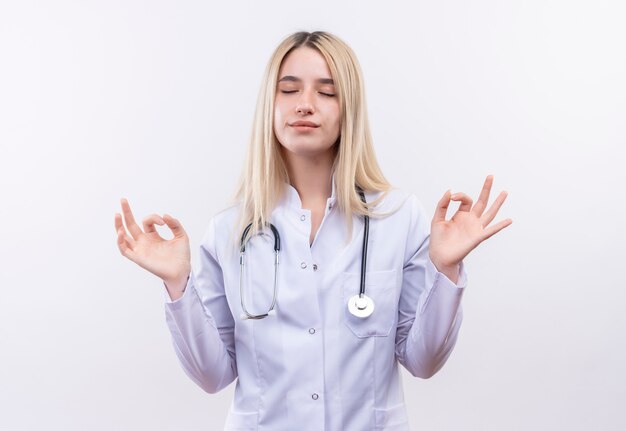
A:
[306,149]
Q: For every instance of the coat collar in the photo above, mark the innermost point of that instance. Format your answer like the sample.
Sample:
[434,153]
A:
[291,198]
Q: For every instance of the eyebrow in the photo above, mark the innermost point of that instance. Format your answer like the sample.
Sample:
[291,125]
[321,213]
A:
[296,79]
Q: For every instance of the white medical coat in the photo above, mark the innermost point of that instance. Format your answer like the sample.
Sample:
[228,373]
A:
[313,366]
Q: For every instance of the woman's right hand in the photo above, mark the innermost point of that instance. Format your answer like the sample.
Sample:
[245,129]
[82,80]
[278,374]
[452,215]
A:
[169,260]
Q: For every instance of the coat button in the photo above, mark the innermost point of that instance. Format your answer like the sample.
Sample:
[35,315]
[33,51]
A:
[315,267]
[303,217]
[312,331]
[315,396]
[303,265]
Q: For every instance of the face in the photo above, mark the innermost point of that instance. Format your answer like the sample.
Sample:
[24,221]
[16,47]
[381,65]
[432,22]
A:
[306,110]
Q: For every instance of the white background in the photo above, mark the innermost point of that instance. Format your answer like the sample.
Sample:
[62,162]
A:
[153,101]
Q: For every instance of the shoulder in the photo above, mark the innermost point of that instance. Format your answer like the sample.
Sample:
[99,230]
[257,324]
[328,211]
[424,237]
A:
[227,216]
[403,212]
[221,228]
[397,201]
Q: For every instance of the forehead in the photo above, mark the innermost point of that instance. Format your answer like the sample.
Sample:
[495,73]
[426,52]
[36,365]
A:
[304,63]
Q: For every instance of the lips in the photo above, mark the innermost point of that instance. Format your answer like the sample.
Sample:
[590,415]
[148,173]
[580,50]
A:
[302,123]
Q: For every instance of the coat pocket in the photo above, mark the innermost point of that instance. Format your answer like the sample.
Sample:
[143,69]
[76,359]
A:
[391,419]
[241,421]
[381,287]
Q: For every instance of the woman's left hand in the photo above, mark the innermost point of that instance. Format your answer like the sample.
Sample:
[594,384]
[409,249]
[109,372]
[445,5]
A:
[452,240]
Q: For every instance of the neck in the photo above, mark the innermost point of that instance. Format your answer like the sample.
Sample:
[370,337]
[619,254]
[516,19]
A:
[311,176]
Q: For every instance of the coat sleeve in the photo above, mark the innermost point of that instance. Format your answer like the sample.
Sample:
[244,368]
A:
[429,309]
[201,324]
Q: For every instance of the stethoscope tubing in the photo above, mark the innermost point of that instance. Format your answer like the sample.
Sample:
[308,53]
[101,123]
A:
[242,252]
[366,231]
[360,304]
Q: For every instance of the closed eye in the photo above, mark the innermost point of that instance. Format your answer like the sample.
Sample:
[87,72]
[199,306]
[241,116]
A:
[295,91]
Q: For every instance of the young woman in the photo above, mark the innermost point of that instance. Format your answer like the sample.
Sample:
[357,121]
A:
[321,277]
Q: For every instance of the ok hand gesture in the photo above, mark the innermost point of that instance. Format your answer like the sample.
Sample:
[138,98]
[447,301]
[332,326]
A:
[452,240]
[169,260]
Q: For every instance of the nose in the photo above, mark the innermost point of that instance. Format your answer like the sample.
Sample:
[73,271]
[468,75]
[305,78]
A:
[304,105]
[304,109]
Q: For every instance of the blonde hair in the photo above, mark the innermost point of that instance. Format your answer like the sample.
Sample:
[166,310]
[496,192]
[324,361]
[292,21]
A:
[264,175]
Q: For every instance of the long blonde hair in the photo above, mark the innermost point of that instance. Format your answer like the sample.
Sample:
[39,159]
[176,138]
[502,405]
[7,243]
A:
[264,175]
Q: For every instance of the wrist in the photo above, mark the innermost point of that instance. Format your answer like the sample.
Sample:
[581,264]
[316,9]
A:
[451,271]
[176,286]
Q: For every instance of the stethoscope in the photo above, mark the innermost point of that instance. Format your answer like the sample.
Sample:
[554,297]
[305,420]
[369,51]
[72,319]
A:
[359,305]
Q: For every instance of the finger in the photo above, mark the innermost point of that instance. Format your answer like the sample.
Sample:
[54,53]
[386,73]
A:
[491,230]
[493,210]
[174,225]
[149,222]
[124,242]
[481,204]
[466,201]
[442,207]
[132,226]
[118,222]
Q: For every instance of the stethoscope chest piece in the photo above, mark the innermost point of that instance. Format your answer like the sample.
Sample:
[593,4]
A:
[361,306]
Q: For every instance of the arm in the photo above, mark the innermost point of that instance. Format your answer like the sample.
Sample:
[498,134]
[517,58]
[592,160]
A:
[201,325]
[427,331]
[429,310]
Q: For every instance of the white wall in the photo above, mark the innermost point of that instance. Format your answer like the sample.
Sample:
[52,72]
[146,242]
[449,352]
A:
[153,101]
